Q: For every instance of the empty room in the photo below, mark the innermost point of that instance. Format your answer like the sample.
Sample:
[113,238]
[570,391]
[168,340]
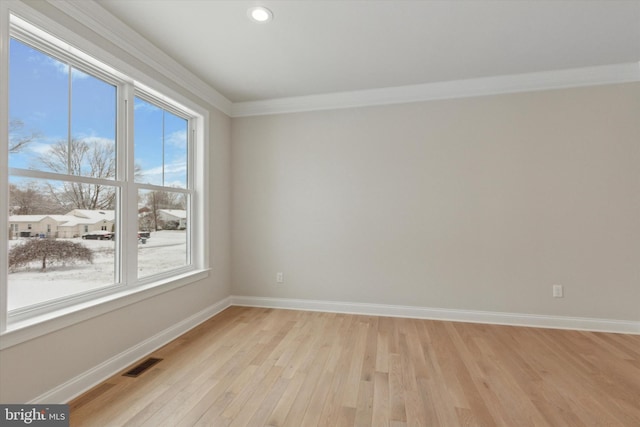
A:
[320,213]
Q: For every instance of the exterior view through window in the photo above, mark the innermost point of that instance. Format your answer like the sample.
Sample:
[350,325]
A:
[82,178]
[161,163]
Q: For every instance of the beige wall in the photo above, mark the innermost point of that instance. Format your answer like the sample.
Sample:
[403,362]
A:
[475,204]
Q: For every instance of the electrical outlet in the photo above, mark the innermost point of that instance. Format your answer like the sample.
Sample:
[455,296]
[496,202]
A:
[279,277]
[558,291]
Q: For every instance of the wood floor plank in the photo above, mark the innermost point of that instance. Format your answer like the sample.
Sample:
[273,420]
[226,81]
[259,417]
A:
[364,408]
[268,405]
[380,410]
[340,358]
[354,372]
[299,408]
[283,407]
[397,410]
[250,367]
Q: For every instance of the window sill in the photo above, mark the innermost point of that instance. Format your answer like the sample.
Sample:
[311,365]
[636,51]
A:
[34,327]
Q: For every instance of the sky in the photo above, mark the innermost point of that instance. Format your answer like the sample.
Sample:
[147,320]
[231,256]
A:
[53,106]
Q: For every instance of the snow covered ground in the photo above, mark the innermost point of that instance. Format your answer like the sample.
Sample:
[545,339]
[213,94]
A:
[163,251]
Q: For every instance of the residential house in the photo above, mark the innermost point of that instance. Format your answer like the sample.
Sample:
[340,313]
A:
[176,217]
[73,224]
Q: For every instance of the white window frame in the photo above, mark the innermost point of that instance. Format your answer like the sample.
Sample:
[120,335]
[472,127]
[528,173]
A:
[31,323]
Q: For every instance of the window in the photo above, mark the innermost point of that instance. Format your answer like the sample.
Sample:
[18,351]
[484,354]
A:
[161,153]
[110,165]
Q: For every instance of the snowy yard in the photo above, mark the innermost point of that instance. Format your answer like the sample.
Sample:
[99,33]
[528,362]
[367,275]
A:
[164,251]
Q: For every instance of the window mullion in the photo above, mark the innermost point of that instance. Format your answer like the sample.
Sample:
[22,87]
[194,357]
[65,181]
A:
[164,113]
[30,173]
[129,197]
[4,161]
[191,139]
[69,118]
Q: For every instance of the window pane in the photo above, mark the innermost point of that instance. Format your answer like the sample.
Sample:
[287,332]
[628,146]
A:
[93,126]
[38,105]
[55,251]
[175,151]
[148,142]
[162,221]
[39,108]
[160,146]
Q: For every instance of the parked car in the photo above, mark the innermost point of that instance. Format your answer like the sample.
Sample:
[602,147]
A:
[143,236]
[98,235]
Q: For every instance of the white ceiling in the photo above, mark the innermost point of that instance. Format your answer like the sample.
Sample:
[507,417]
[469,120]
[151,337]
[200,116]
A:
[316,47]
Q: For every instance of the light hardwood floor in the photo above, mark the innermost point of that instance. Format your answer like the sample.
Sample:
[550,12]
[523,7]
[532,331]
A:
[256,367]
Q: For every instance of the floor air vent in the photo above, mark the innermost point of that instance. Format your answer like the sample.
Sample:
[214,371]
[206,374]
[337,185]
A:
[142,367]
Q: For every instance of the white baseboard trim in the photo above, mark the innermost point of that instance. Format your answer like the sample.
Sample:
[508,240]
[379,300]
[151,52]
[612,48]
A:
[83,382]
[513,319]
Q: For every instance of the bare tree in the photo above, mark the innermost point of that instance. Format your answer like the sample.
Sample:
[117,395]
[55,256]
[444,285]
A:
[30,199]
[157,200]
[18,138]
[82,158]
[48,250]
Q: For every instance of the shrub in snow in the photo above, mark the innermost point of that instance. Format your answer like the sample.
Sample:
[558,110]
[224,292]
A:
[171,225]
[48,251]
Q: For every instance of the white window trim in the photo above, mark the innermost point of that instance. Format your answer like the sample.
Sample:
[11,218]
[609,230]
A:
[21,330]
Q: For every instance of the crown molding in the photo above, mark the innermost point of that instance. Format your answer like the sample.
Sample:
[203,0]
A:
[99,20]
[548,80]
[94,16]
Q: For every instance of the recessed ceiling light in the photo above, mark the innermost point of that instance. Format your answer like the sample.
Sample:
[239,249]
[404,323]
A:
[260,14]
